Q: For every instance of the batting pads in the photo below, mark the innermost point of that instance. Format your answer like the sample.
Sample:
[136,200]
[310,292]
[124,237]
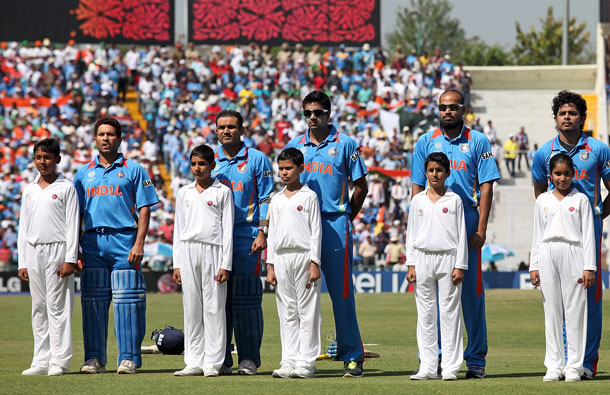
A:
[129,297]
[95,300]
[247,316]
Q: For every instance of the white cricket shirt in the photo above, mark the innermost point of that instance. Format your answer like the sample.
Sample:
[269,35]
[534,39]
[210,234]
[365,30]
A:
[569,220]
[437,227]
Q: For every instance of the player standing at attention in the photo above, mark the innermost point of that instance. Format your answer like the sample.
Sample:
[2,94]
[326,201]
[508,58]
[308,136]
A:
[48,250]
[111,191]
[332,160]
[473,172]
[203,249]
[591,159]
[248,173]
[437,255]
[563,264]
[293,267]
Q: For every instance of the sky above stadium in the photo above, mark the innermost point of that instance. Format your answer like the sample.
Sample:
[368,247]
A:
[494,20]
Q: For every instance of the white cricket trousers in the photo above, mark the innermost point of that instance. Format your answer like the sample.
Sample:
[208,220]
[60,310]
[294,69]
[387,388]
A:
[204,305]
[52,305]
[434,271]
[298,308]
[560,266]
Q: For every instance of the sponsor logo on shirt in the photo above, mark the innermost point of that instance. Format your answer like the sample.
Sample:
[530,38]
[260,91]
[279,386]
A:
[420,212]
[54,196]
[356,155]
[147,183]
[487,155]
[571,209]
[210,203]
[300,208]
[320,167]
[267,173]
[607,164]
[104,190]
[464,148]
[446,210]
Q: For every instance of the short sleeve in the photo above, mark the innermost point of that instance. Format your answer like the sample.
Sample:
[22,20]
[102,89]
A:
[418,171]
[487,169]
[539,172]
[355,164]
[145,189]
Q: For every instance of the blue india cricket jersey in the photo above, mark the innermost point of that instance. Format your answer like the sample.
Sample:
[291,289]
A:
[472,162]
[329,166]
[110,196]
[250,176]
[591,158]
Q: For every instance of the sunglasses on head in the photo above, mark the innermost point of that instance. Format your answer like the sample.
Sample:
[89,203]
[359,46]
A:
[452,107]
[317,113]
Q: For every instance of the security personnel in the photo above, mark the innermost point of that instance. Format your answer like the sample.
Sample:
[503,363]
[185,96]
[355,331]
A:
[332,160]
[248,173]
[473,172]
[115,196]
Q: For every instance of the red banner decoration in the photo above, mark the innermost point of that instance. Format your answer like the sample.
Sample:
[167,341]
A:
[328,22]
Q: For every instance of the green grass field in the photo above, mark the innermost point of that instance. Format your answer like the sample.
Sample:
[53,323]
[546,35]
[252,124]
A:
[514,364]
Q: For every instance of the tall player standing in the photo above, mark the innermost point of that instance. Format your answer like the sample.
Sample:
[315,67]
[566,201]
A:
[473,172]
[111,191]
[332,160]
[592,161]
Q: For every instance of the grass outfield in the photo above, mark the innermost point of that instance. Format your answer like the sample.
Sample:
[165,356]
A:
[514,363]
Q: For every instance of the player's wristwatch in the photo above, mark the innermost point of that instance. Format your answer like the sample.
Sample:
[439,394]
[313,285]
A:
[264,229]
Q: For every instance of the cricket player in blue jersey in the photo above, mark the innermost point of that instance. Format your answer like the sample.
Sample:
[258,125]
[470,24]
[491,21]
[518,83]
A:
[592,161]
[248,173]
[473,172]
[115,196]
[332,160]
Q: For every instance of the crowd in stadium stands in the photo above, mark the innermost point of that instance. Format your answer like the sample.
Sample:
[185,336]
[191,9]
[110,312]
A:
[58,90]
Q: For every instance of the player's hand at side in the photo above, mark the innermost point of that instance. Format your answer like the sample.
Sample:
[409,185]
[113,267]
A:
[260,243]
[535,278]
[271,279]
[67,269]
[177,277]
[80,263]
[222,276]
[411,276]
[588,277]
[23,274]
[478,239]
[314,272]
[457,276]
[136,254]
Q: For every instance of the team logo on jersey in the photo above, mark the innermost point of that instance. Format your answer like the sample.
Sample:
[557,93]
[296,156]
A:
[571,209]
[120,174]
[438,145]
[300,208]
[304,150]
[91,174]
[333,152]
[147,183]
[210,203]
[54,196]
[464,148]
[584,156]
[242,168]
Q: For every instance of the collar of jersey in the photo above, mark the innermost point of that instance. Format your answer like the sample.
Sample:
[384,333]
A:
[243,153]
[582,142]
[333,135]
[459,136]
[215,184]
[120,161]
[60,178]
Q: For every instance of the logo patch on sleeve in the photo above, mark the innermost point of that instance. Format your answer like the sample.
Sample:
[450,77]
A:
[607,164]
[487,155]
[147,183]
[267,173]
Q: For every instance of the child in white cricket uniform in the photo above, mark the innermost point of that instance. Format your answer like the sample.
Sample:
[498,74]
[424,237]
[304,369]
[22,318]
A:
[48,250]
[563,265]
[294,247]
[437,255]
[203,249]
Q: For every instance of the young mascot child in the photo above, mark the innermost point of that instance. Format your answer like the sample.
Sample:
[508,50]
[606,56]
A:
[563,265]
[203,247]
[437,255]
[48,249]
[293,267]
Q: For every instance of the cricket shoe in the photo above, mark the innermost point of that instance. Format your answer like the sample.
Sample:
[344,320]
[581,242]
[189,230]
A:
[34,371]
[353,369]
[449,377]
[283,372]
[552,375]
[92,366]
[225,369]
[587,374]
[301,372]
[571,375]
[422,376]
[210,372]
[189,371]
[475,372]
[127,367]
[247,368]
[55,370]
